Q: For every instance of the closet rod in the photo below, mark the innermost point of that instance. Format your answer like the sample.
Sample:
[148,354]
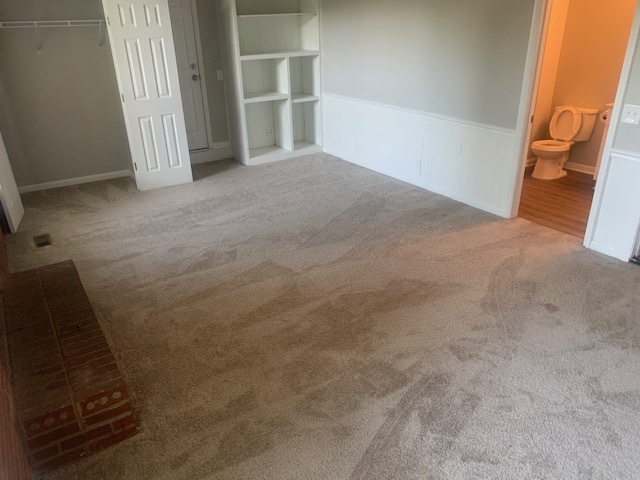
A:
[36,25]
[51,23]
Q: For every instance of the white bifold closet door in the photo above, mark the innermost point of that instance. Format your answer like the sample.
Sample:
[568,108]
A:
[145,61]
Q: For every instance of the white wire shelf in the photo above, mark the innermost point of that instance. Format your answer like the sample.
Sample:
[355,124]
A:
[37,25]
[52,23]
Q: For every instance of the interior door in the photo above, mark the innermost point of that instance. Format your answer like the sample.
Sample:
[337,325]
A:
[145,61]
[184,37]
[9,195]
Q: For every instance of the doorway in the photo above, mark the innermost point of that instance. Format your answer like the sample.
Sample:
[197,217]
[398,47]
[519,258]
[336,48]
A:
[191,72]
[581,61]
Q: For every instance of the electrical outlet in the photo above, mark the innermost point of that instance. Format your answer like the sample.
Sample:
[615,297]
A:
[268,134]
[220,75]
[631,114]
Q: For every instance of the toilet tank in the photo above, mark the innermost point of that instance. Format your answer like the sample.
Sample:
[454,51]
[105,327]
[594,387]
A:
[589,118]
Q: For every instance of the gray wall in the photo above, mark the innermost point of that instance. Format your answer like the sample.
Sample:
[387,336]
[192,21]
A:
[461,58]
[595,44]
[60,111]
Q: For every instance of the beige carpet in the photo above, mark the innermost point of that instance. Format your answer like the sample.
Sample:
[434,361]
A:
[314,320]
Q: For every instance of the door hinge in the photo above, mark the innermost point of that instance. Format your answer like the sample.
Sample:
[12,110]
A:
[532,118]
[122,95]
[135,165]
[108,21]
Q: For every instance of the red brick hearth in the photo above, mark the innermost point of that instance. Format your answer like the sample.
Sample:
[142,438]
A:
[70,397]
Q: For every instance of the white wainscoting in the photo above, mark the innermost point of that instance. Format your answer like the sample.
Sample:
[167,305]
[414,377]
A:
[469,162]
[618,217]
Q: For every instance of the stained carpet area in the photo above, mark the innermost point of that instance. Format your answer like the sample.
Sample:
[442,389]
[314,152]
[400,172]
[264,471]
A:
[314,320]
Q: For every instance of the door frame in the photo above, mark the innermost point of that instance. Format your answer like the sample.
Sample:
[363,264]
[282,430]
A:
[203,78]
[533,70]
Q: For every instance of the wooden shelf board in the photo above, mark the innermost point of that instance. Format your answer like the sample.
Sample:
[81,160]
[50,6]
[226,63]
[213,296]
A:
[304,145]
[260,97]
[270,55]
[261,15]
[266,151]
[304,97]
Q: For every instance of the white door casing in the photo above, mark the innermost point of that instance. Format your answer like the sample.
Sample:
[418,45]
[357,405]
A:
[189,70]
[145,62]
[9,195]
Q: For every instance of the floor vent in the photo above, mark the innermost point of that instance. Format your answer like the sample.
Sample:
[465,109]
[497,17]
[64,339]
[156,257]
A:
[42,240]
[635,260]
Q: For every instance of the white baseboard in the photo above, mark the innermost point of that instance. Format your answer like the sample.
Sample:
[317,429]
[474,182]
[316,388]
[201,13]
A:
[219,151]
[578,167]
[75,181]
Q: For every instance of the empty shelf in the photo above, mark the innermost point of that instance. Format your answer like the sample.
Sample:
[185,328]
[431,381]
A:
[291,53]
[304,97]
[259,97]
[259,15]
[266,151]
[304,145]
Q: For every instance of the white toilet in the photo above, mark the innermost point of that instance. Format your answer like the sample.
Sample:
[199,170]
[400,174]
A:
[570,124]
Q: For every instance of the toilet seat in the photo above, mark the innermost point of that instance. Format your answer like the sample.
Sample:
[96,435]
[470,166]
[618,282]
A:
[566,123]
[552,145]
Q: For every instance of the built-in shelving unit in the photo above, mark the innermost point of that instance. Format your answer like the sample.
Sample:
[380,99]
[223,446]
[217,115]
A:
[271,52]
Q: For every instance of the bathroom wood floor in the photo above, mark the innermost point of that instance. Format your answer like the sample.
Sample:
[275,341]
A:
[563,204]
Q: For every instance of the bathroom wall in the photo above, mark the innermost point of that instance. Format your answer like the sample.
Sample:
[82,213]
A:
[594,46]
[549,71]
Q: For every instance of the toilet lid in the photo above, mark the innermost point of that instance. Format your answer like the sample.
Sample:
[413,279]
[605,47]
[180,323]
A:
[566,123]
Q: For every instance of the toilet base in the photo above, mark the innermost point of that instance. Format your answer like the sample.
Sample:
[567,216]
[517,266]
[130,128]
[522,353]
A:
[549,169]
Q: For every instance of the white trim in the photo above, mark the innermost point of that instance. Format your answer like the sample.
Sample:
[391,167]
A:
[76,181]
[321,73]
[221,145]
[211,154]
[437,116]
[626,154]
[616,116]
[203,78]
[579,167]
[528,96]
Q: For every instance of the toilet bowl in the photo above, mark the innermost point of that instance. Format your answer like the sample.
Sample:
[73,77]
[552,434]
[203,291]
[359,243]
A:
[570,124]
